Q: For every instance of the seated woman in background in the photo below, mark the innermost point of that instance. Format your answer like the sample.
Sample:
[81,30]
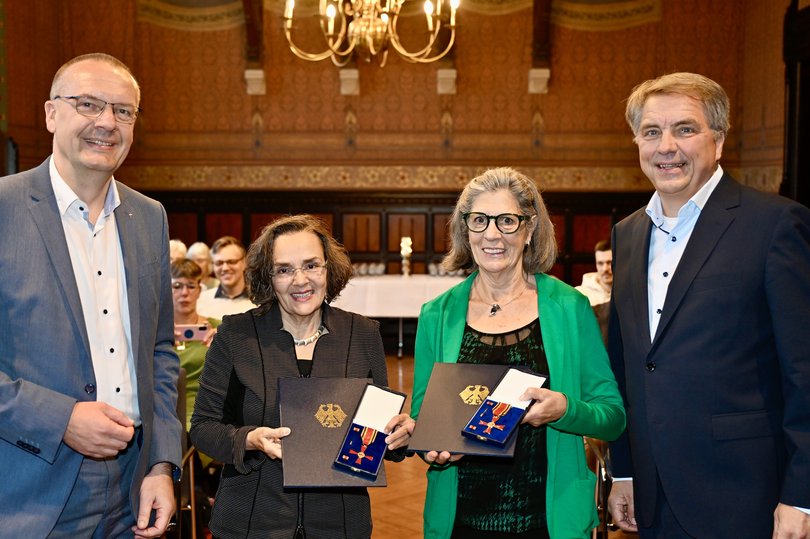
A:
[294,269]
[201,254]
[191,348]
[510,312]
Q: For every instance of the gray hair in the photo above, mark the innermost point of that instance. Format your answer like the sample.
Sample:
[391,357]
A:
[541,253]
[710,95]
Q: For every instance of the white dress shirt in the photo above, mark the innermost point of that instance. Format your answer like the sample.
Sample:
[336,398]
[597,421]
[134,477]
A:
[98,266]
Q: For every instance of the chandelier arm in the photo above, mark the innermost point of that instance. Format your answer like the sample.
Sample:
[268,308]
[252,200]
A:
[341,61]
[372,32]
[425,51]
[424,58]
[331,50]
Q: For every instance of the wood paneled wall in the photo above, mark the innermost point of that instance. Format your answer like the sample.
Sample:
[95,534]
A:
[370,225]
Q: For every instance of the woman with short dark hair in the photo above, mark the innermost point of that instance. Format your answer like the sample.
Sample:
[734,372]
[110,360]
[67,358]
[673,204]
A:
[294,269]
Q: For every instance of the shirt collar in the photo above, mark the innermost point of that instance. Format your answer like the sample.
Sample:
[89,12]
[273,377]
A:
[65,196]
[221,294]
[696,203]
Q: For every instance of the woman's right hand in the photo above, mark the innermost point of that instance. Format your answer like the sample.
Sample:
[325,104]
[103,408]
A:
[441,458]
[267,440]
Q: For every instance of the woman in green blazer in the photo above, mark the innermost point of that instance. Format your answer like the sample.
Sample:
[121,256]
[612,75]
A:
[509,312]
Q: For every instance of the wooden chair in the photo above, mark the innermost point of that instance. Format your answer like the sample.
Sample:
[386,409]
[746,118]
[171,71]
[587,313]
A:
[598,458]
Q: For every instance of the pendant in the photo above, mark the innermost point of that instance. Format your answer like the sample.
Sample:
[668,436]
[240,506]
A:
[495,308]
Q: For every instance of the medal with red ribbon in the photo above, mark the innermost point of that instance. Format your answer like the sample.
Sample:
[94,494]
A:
[497,412]
[367,437]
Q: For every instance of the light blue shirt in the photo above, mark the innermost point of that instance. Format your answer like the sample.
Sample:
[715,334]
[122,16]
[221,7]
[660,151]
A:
[670,236]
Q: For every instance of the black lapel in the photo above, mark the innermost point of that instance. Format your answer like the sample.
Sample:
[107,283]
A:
[639,264]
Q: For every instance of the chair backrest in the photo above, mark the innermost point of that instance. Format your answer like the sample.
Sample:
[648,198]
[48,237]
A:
[181,407]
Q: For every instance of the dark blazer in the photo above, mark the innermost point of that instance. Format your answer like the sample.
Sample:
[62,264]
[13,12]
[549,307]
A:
[45,364]
[719,402]
[239,392]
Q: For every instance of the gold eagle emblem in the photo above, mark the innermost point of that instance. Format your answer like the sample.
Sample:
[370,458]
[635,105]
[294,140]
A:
[474,395]
[330,415]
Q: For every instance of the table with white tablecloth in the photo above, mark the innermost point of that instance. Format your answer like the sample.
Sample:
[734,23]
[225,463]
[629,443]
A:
[392,296]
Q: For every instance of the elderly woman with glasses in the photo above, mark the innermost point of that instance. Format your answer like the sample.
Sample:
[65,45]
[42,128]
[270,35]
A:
[510,312]
[294,269]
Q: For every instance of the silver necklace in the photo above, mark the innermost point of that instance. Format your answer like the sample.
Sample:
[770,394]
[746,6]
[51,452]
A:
[311,339]
[495,307]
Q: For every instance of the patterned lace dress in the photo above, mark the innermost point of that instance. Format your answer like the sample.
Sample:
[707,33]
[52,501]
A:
[505,496]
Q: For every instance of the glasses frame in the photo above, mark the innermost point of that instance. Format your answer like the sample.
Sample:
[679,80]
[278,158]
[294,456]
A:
[77,99]
[319,269]
[231,262]
[177,286]
[520,218]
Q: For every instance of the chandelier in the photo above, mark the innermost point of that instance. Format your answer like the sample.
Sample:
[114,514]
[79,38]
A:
[368,28]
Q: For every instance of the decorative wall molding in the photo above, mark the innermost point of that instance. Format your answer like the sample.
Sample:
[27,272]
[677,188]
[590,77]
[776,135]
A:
[764,178]
[188,16]
[604,16]
[369,178]
[419,179]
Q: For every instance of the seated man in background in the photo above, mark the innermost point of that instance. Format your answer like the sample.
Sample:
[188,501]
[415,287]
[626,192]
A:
[231,296]
[596,285]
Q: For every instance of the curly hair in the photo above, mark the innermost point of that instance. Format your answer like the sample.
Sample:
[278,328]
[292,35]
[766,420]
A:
[539,255]
[258,274]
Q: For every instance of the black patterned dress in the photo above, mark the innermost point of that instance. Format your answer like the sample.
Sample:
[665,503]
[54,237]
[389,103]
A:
[505,497]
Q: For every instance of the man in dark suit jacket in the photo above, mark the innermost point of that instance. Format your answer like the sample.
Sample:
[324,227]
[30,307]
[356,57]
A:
[88,431]
[708,335]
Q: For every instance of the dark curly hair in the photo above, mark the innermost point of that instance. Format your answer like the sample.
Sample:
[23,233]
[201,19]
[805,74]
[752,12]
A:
[260,258]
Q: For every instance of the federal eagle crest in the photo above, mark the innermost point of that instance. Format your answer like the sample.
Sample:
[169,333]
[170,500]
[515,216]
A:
[474,395]
[330,415]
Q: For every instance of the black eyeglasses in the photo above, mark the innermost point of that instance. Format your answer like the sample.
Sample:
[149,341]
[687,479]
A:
[191,287]
[93,107]
[508,223]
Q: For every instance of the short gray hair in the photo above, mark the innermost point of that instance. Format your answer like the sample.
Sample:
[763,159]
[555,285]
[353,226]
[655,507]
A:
[703,89]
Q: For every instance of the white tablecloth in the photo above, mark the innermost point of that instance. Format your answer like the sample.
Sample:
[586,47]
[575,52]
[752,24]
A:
[392,296]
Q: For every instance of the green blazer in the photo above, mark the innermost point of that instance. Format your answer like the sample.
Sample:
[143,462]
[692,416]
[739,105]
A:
[579,368]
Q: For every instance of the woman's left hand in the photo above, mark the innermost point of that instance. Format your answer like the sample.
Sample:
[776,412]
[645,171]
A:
[548,406]
[401,427]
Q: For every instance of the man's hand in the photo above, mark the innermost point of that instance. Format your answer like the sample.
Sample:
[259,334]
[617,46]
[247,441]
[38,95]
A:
[267,440]
[401,427]
[790,523]
[548,406]
[157,492]
[621,505]
[98,430]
